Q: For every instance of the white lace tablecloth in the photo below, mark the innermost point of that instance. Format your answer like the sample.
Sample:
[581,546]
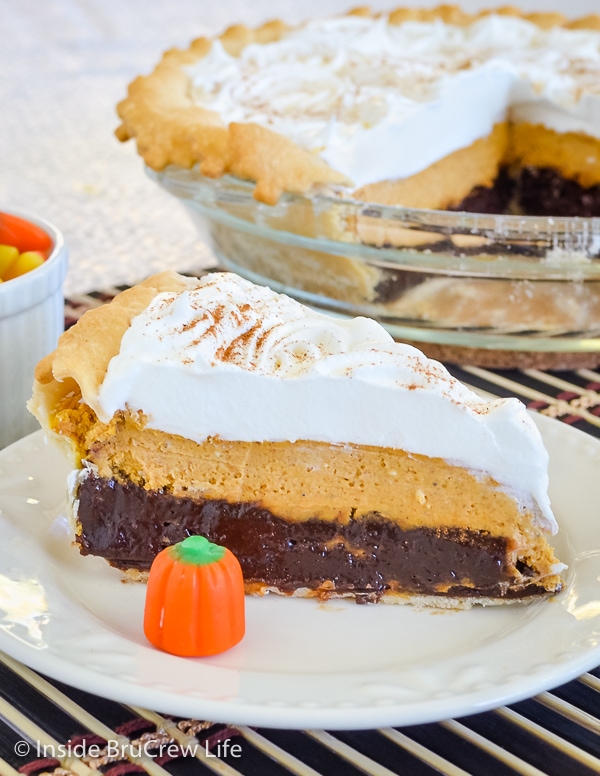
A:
[64,64]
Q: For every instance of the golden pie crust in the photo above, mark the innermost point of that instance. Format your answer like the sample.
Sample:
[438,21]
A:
[78,366]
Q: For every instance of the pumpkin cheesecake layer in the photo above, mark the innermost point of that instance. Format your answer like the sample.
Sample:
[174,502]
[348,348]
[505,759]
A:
[195,425]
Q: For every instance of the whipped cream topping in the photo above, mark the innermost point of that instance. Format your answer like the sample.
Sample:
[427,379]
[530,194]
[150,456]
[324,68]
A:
[230,359]
[370,97]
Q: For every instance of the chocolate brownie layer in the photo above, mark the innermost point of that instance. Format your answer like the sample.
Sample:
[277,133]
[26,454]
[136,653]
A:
[128,525]
[545,192]
[534,191]
[490,199]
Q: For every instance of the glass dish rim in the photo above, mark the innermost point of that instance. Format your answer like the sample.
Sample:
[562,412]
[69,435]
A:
[399,213]
[568,263]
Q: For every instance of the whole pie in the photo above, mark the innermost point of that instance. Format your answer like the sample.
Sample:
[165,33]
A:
[432,109]
[496,112]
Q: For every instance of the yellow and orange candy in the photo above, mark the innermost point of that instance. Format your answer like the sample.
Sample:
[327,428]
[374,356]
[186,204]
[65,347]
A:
[23,246]
[195,599]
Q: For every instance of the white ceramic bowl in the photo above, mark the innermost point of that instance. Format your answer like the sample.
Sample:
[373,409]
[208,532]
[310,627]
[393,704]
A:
[31,321]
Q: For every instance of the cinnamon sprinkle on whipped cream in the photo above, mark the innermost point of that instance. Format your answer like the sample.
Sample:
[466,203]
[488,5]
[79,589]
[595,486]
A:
[351,88]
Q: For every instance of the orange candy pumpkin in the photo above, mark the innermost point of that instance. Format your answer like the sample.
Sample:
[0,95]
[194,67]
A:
[195,599]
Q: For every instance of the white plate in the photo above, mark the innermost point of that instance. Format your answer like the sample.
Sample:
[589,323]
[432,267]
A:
[302,664]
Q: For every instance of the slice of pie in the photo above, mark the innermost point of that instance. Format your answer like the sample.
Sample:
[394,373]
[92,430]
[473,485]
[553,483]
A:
[331,460]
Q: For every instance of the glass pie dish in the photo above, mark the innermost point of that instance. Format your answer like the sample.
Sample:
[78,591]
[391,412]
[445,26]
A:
[491,290]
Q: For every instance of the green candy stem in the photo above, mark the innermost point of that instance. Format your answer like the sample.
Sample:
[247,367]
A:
[197,551]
